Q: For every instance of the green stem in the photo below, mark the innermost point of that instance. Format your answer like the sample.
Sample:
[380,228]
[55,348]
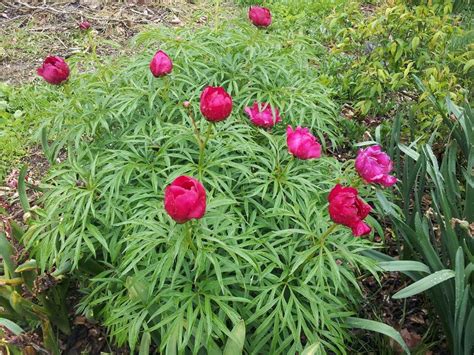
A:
[208,134]
[322,240]
[166,88]
[196,129]
[327,233]
[189,238]
[202,149]
[292,158]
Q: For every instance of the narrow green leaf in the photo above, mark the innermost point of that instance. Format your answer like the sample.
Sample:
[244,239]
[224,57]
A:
[27,266]
[25,204]
[459,282]
[425,283]
[469,64]
[408,151]
[6,252]
[468,331]
[45,144]
[312,349]
[11,326]
[379,328]
[145,344]
[404,265]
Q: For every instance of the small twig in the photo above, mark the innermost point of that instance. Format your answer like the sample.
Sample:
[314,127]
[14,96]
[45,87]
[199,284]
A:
[44,8]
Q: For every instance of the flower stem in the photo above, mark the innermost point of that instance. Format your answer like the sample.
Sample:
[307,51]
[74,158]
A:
[208,134]
[285,169]
[322,239]
[202,149]
[196,129]
[189,238]
[327,233]
[166,88]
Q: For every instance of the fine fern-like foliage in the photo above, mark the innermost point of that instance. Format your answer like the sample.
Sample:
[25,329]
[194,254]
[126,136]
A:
[263,255]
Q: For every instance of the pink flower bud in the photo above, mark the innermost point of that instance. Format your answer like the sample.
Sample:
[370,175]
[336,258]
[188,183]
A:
[185,199]
[161,64]
[263,115]
[302,144]
[260,16]
[215,103]
[84,25]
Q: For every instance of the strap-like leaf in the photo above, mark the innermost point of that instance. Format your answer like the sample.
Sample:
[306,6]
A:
[379,328]
[425,283]
[312,349]
[145,344]
[25,204]
[404,265]
[11,326]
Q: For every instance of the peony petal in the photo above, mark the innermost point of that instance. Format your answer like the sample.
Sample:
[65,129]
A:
[360,228]
[389,180]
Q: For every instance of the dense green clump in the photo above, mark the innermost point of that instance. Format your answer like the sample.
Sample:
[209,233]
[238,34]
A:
[265,270]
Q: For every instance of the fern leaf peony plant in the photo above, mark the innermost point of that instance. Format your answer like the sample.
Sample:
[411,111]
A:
[205,232]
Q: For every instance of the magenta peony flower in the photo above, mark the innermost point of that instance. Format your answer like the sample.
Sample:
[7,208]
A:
[161,64]
[374,166]
[84,25]
[263,115]
[302,144]
[260,16]
[348,209]
[216,103]
[54,70]
[185,199]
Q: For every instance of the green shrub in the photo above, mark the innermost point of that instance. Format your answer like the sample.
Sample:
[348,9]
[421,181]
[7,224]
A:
[380,53]
[265,275]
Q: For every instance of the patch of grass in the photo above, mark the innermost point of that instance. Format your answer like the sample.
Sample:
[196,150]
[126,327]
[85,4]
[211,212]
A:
[15,128]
